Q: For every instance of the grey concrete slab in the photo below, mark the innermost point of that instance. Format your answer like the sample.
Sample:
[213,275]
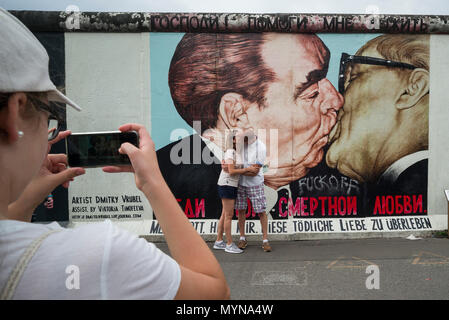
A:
[337,269]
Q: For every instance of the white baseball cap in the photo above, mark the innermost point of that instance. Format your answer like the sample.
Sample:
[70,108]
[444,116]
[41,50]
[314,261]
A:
[24,61]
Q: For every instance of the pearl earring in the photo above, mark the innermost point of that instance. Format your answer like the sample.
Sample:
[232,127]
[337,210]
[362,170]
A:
[20,134]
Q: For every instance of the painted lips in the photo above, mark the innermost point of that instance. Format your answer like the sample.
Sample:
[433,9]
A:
[336,130]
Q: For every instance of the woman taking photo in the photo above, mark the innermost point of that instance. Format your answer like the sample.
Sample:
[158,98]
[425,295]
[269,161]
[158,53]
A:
[228,182]
[37,261]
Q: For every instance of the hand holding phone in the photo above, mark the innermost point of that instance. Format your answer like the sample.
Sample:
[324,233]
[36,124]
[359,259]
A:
[53,172]
[143,160]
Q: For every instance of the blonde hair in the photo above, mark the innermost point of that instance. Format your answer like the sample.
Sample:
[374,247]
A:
[36,101]
[31,97]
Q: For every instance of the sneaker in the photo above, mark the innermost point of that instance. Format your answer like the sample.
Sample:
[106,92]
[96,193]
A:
[242,244]
[232,248]
[219,245]
[266,246]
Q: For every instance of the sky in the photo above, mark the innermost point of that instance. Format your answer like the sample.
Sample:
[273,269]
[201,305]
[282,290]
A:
[405,7]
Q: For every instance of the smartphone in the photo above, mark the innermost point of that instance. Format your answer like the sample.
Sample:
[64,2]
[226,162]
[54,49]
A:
[98,149]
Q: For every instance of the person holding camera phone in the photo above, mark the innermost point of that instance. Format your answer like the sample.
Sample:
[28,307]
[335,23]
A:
[41,261]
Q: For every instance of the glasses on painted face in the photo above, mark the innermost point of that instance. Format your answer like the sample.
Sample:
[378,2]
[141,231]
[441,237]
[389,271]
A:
[347,59]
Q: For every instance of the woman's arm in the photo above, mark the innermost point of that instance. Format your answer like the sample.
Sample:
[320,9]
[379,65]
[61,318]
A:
[251,171]
[201,274]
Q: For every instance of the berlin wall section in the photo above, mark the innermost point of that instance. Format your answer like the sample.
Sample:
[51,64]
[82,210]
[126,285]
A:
[353,149]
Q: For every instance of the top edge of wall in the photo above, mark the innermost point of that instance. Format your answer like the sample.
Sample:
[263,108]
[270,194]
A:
[77,21]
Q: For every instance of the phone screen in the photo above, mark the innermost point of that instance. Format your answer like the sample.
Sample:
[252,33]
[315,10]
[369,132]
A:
[99,148]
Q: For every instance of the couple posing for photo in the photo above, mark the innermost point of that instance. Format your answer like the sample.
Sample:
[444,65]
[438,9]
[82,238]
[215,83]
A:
[241,178]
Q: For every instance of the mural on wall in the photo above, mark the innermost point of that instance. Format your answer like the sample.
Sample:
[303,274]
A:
[381,138]
[344,118]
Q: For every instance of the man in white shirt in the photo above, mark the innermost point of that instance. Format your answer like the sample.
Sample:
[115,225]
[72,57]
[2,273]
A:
[252,151]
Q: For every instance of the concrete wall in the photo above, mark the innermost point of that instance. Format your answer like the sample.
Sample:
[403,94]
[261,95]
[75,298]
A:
[123,77]
[438,128]
[109,74]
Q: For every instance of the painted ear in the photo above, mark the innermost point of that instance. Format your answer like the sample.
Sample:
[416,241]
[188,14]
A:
[417,88]
[232,111]
[9,117]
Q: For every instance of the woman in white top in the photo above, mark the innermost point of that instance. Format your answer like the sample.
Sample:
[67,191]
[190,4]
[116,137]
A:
[227,190]
[99,260]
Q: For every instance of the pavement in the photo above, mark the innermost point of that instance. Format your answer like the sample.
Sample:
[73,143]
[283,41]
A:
[371,269]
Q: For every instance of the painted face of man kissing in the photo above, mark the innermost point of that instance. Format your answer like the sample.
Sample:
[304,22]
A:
[301,104]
